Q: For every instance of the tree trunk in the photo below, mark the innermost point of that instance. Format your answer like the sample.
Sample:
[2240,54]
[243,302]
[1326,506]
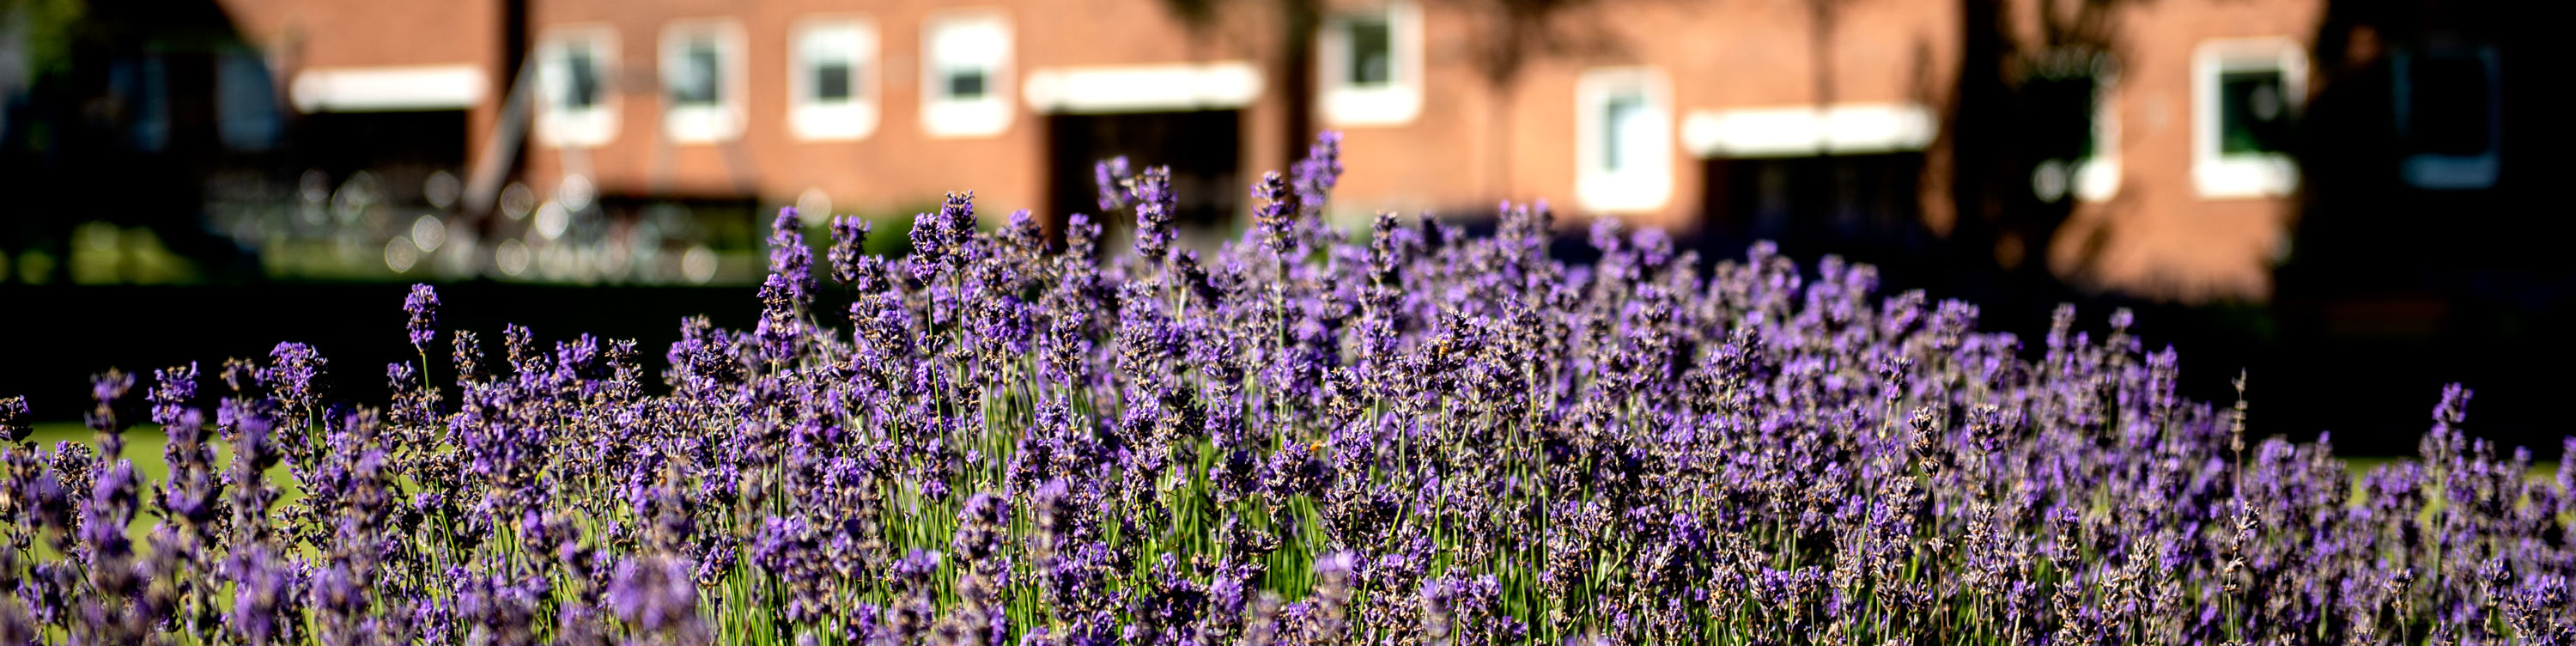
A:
[1298,22]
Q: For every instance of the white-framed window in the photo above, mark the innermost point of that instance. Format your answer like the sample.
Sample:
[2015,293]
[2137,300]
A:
[577,104]
[2449,117]
[832,78]
[2097,175]
[2073,91]
[1623,139]
[966,73]
[1369,64]
[2246,95]
[702,80]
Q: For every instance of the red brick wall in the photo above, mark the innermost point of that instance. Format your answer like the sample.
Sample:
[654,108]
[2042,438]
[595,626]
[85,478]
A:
[307,34]
[2160,237]
[1469,145]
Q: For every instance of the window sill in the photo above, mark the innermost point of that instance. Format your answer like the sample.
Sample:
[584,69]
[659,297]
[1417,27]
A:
[1392,105]
[985,117]
[587,128]
[2245,176]
[845,122]
[702,125]
[2097,179]
[1628,192]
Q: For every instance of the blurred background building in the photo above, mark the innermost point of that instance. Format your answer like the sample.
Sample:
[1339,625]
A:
[2310,186]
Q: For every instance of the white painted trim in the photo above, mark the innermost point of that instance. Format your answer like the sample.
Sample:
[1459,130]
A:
[2097,178]
[1143,88]
[389,88]
[1753,132]
[1646,186]
[562,127]
[1399,101]
[705,124]
[1800,131]
[2432,171]
[2222,176]
[945,117]
[1876,128]
[853,119]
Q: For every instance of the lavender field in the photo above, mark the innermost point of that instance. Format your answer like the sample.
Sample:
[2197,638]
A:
[1308,437]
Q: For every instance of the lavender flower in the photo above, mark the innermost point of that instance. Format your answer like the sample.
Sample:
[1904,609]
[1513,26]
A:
[295,372]
[849,247]
[1320,170]
[263,591]
[422,305]
[14,422]
[1155,204]
[1112,178]
[1277,215]
[657,596]
[789,258]
[1294,438]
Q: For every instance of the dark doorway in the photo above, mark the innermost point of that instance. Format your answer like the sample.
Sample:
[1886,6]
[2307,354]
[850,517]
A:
[1204,149]
[385,142]
[1862,206]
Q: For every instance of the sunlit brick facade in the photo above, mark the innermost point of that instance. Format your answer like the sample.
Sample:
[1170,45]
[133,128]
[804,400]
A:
[1719,116]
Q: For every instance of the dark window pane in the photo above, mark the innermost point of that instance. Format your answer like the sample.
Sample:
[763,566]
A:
[966,84]
[2447,106]
[1372,52]
[832,81]
[2253,112]
[245,103]
[1857,202]
[1619,120]
[2060,115]
[1203,147]
[581,82]
[696,82]
[141,87]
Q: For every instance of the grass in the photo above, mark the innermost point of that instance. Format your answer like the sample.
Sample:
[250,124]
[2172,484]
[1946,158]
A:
[143,446]
[2359,465]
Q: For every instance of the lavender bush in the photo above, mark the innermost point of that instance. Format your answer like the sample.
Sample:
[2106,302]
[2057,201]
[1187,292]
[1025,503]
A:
[1420,437]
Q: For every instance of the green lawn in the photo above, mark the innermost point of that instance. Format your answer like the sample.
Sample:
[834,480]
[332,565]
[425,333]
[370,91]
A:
[2540,470]
[143,446]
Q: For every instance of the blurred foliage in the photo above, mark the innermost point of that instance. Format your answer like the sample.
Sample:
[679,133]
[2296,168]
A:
[49,27]
[1195,13]
[107,254]
[1516,32]
[889,230]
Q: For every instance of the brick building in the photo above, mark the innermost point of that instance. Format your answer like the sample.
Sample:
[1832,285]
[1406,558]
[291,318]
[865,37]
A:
[2147,147]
